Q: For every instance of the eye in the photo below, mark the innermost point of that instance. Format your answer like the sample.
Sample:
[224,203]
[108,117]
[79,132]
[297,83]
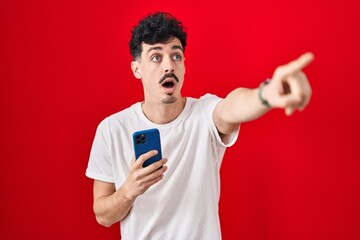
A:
[177,57]
[155,58]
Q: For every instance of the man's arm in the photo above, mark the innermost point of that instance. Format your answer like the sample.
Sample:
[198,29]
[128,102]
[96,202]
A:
[288,89]
[110,205]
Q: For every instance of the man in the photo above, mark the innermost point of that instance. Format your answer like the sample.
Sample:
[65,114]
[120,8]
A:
[176,197]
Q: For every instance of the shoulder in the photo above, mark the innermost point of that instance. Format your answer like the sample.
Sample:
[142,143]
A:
[202,107]
[208,101]
[121,118]
[208,97]
[124,115]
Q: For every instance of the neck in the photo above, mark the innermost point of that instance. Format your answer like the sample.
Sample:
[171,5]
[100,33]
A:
[161,113]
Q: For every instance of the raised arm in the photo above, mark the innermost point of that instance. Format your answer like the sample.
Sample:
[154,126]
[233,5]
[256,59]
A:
[288,89]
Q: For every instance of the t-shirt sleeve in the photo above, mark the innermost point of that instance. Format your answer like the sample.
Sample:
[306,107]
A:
[209,102]
[99,165]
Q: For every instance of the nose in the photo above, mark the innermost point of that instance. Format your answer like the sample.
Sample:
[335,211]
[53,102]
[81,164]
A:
[168,65]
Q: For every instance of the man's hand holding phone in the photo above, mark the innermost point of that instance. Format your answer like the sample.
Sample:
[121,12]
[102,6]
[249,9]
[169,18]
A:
[142,178]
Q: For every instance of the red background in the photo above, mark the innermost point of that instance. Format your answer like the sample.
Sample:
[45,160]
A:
[65,65]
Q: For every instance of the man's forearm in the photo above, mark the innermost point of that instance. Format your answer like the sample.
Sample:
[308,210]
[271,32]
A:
[113,208]
[240,105]
[243,105]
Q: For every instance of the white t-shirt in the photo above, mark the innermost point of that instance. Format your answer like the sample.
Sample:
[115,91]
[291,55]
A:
[184,204]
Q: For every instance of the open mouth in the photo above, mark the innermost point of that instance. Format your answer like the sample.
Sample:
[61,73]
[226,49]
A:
[168,84]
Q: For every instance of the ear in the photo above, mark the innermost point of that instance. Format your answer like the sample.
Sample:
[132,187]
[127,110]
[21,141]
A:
[136,69]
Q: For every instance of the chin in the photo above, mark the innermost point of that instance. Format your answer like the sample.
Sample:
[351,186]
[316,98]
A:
[169,99]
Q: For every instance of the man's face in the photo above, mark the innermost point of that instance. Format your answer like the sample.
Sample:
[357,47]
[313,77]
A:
[161,69]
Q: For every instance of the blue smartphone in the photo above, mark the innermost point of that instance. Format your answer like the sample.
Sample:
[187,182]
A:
[147,140]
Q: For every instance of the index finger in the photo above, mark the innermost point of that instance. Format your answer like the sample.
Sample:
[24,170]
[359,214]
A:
[142,158]
[299,63]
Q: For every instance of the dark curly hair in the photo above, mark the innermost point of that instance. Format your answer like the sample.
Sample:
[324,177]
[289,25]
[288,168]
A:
[158,27]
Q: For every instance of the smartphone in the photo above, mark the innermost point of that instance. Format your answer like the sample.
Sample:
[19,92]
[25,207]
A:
[145,141]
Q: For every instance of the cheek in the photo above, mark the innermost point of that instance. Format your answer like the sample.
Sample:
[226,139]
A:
[151,71]
[181,70]
[151,77]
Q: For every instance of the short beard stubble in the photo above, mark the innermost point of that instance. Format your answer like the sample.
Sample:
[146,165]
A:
[169,99]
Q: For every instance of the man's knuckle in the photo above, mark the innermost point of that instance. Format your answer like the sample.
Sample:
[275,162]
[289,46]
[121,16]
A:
[139,184]
[279,70]
[141,158]
[136,176]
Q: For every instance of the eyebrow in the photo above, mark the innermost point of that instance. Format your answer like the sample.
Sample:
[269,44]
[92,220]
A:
[160,48]
[177,47]
[154,48]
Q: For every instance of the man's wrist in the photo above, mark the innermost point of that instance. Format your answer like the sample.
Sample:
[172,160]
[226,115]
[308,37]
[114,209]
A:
[124,195]
[263,101]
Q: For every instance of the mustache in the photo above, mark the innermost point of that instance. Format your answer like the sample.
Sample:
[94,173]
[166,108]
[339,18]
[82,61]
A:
[169,75]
